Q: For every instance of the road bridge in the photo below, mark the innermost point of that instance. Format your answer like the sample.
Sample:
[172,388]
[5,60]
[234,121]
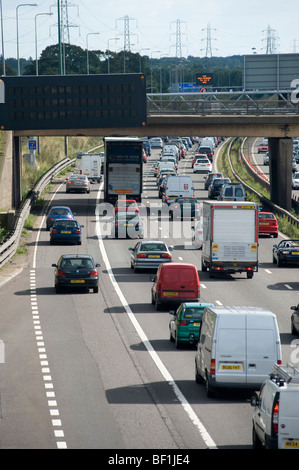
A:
[271,114]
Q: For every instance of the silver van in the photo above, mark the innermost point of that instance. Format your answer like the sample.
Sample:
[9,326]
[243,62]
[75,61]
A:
[232,192]
[237,348]
[275,420]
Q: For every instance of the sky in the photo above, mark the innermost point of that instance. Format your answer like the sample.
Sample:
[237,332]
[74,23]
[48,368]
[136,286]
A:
[156,28]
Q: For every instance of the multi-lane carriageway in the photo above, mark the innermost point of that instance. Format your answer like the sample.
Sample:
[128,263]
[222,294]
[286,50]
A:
[98,370]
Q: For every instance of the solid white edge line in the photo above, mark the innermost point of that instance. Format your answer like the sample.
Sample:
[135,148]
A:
[167,376]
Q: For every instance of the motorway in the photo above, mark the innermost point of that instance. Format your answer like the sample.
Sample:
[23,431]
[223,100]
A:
[98,371]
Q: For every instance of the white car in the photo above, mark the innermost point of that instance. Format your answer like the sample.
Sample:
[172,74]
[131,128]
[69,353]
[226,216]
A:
[295,180]
[202,165]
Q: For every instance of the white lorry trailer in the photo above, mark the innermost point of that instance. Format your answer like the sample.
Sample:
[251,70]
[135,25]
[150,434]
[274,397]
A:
[230,237]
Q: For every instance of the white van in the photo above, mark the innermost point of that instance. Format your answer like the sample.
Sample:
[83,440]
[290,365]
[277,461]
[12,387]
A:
[171,149]
[275,420]
[178,186]
[237,347]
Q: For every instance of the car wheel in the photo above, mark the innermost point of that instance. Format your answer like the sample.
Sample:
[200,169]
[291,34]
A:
[178,343]
[96,290]
[171,338]
[275,235]
[58,289]
[157,304]
[278,261]
[209,389]
[256,442]
[153,300]
[198,377]
[273,259]
[203,267]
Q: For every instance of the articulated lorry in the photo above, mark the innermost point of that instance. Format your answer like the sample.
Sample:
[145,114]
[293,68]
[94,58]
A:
[123,168]
[230,237]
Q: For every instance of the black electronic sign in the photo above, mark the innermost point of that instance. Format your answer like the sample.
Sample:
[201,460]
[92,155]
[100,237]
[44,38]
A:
[204,79]
[72,101]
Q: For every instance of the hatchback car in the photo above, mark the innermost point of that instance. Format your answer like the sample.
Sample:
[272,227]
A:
[184,327]
[67,231]
[268,224]
[287,252]
[58,212]
[126,205]
[185,207]
[79,271]
[202,165]
[209,178]
[128,225]
[77,183]
[266,158]
[156,142]
[215,187]
[150,254]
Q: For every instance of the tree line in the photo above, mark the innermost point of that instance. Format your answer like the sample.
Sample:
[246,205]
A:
[162,74]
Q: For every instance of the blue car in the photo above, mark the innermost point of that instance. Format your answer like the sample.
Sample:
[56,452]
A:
[66,230]
[287,252]
[58,212]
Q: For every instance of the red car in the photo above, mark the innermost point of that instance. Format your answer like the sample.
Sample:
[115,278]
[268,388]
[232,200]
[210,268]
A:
[262,149]
[126,205]
[268,224]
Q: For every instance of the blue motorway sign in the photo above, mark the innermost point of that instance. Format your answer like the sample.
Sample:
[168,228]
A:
[32,144]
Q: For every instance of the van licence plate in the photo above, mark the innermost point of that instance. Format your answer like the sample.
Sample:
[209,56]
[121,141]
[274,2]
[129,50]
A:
[230,367]
[289,444]
[173,294]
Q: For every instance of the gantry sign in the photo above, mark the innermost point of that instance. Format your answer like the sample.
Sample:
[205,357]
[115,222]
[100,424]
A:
[72,101]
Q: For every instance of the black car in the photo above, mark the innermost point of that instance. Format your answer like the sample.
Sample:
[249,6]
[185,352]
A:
[287,251]
[79,271]
[209,178]
[215,187]
[295,320]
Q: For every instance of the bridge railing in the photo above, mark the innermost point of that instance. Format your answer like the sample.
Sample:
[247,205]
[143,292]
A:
[223,103]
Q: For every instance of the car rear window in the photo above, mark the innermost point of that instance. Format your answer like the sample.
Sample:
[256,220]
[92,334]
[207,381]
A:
[153,247]
[193,313]
[60,212]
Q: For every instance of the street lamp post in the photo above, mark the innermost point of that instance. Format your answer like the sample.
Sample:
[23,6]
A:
[36,60]
[87,59]
[152,69]
[145,49]
[2,40]
[108,48]
[17,19]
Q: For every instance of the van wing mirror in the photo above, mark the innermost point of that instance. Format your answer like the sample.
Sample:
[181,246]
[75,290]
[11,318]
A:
[254,401]
[152,278]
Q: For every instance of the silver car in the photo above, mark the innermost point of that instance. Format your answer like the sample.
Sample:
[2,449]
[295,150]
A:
[77,183]
[150,254]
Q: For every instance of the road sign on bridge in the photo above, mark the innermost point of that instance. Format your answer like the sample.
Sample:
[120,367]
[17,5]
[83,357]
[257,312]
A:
[73,102]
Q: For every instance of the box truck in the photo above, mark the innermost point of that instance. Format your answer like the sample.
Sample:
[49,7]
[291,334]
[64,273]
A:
[230,237]
[122,168]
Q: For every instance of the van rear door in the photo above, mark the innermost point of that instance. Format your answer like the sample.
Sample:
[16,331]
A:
[230,364]
[262,348]
[288,419]
[180,282]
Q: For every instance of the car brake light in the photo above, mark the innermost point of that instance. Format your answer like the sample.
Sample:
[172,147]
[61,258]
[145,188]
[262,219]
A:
[275,418]
[166,255]
[116,224]
[212,366]
[77,232]
[141,255]
[60,273]
[183,322]
[94,273]
[54,230]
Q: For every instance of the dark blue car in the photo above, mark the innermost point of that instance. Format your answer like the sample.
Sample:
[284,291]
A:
[287,252]
[58,212]
[66,231]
